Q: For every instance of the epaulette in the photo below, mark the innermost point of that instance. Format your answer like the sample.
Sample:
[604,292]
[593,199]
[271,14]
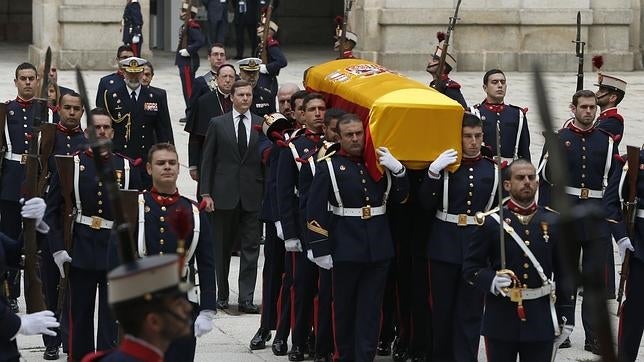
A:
[272,42]
[480,216]
[522,109]
[135,162]
[453,84]
[192,23]
[551,209]
[614,137]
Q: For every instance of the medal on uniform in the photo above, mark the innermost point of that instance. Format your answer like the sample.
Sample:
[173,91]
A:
[150,106]
[544,229]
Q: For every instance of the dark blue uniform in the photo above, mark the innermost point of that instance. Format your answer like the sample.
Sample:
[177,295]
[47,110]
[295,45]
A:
[456,306]
[276,61]
[9,321]
[89,252]
[263,101]
[139,125]
[612,122]
[132,24]
[590,164]
[515,135]
[246,19]
[106,86]
[129,350]
[188,65]
[453,90]
[217,20]
[505,333]
[159,238]
[630,322]
[361,248]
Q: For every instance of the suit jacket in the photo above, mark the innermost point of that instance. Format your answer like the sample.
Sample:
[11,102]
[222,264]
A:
[217,11]
[225,175]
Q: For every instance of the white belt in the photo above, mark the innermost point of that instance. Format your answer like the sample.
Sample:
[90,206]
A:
[460,219]
[640,213]
[536,293]
[22,158]
[584,193]
[365,212]
[95,222]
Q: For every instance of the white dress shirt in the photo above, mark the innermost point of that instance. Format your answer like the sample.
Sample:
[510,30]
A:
[247,119]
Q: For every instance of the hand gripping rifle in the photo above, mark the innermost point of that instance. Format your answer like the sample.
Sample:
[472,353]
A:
[450,27]
[265,21]
[570,220]
[105,170]
[345,20]
[579,52]
[629,210]
[34,297]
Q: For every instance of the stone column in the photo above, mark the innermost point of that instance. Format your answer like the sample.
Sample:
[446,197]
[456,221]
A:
[81,33]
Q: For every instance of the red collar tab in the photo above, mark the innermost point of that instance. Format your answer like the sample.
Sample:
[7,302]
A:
[496,108]
[611,113]
[347,54]
[344,153]
[516,208]
[315,137]
[469,160]
[70,132]
[164,199]
[24,103]
[579,131]
[139,351]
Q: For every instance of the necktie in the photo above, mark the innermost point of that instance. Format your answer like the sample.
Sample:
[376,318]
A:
[241,135]
[133,96]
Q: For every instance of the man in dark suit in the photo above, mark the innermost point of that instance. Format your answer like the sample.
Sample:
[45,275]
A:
[217,20]
[231,186]
[246,17]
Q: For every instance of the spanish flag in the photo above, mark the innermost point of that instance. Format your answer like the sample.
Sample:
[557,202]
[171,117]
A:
[414,121]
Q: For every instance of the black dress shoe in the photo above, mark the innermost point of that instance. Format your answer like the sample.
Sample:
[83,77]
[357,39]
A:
[421,357]
[592,346]
[182,120]
[51,353]
[13,304]
[296,353]
[566,344]
[248,308]
[279,347]
[310,344]
[222,304]
[322,358]
[384,348]
[399,351]
[259,340]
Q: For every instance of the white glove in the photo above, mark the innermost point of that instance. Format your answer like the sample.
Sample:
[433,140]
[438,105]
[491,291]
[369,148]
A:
[38,323]
[388,161]
[34,208]
[293,244]
[203,323]
[263,69]
[309,255]
[135,39]
[280,232]
[60,258]
[324,262]
[566,331]
[623,244]
[498,283]
[444,159]
[184,53]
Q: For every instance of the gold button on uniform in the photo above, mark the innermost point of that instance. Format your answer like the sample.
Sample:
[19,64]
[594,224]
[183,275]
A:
[162,219]
[161,230]
[162,208]
[526,265]
[527,242]
[525,276]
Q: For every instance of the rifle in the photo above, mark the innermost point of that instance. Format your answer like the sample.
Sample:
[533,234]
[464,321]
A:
[34,297]
[629,210]
[47,142]
[105,171]
[450,27]
[579,52]
[345,20]
[3,120]
[262,51]
[65,167]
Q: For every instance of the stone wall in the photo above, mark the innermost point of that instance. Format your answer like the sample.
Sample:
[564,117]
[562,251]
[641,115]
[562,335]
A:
[509,34]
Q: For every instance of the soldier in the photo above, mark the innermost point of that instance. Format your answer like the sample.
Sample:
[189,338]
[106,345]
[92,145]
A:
[296,105]
[275,60]
[160,210]
[350,41]
[187,57]
[148,74]
[284,99]
[148,299]
[11,324]
[113,80]
[591,151]
[617,194]
[455,197]
[246,17]
[610,94]
[263,100]
[515,135]
[92,230]
[208,82]
[217,20]
[132,25]
[442,82]
[355,238]
[17,129]
[208,106]
[140,114]
[534,324]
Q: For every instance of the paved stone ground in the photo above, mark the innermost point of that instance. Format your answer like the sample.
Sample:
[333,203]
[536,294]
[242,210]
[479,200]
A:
[231,335]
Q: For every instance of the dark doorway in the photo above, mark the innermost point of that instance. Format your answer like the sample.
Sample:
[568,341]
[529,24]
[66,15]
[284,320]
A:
[15,21]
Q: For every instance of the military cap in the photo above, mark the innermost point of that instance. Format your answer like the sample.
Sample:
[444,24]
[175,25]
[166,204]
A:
[249,64]
[193,9]
[271,25]
[609,81]
[274,122]
[350,36]
[133,64]
[148,278]
[449,59]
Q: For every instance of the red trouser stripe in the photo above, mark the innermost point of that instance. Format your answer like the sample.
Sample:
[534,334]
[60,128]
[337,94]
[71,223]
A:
[187,74]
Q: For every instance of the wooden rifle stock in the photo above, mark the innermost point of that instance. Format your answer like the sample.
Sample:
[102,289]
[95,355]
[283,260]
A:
[47,143]
[441,63]
[343,35]
[629,210]
[262,48]
[65,167]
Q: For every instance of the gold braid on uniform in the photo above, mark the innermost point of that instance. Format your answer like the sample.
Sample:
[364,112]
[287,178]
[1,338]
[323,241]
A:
[119,119]
[315,227]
